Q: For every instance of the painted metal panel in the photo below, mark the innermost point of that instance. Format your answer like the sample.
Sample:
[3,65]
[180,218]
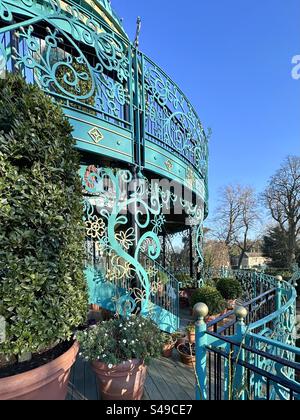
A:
[99,137]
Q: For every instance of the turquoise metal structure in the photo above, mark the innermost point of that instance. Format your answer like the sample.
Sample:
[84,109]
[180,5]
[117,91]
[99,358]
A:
[250,353]
[144,165]
[144,151]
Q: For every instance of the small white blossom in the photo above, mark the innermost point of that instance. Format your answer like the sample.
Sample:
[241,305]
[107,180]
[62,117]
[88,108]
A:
[110,366]
[124,341]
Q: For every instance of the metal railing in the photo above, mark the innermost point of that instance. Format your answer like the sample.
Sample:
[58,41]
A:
[76,57]
[250,353]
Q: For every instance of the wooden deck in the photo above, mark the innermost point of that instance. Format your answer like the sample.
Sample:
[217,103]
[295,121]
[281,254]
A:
[167,380]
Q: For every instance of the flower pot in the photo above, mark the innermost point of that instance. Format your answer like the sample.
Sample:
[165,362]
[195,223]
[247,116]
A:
[48,382]
[180,340]
[185,355]
[231,304]
[124,382]
[192,336]
[168,350]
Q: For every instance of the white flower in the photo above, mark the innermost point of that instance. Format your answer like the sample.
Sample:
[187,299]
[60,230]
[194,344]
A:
[80,354]
[125,329]
[121,325]
[105,335]
[132,342]
[124,341]
[104,355]
[110,366]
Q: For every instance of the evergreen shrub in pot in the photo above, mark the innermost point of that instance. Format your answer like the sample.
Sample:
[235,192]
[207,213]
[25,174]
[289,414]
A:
[43,294]
[212,298]
[119,351]
[231,290]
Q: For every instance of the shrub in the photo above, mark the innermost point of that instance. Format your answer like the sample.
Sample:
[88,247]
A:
[185,280]
[42,286]
[116,341]
[163,277]
[211,297]
[230,289]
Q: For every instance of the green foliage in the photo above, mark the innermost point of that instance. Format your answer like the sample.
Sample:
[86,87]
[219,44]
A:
[185,280]
[211,297]
[230,289]
[168,339]
[116,341]
[190,328]
[42,286]
[284,273]
[163,277]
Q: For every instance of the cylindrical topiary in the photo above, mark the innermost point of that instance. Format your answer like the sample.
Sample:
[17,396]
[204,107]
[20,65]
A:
[211,297]
[43,294]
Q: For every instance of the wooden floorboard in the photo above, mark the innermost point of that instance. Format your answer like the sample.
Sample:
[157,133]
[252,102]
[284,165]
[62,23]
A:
[167,380]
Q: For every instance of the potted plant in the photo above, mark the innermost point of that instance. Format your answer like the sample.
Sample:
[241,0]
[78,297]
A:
[179,337]
[169,345]
[186,289]
[119,351]
[191,333]
[187,353]
[213,299]
[231,290]
[43,294]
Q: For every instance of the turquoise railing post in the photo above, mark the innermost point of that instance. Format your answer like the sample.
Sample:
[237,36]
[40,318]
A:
[279,281]
[239,380]
[201,312]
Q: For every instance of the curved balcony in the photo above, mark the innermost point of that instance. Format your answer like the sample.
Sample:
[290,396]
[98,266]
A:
[122,105]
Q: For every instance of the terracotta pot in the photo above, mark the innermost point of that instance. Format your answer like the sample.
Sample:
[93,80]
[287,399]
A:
[231,304]
[48,382]
[181,340]
[168,350]
[192,336]
[186,359]
[124,382]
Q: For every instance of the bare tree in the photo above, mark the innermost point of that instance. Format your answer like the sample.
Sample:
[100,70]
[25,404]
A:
[282,198]
[248,221]
[228,214]
[237,218]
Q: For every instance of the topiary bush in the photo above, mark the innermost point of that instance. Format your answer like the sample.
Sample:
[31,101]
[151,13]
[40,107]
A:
[230,289]
[43,293]
[211,297]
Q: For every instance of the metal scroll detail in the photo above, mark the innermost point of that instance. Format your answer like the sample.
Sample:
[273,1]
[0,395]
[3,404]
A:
[124,219]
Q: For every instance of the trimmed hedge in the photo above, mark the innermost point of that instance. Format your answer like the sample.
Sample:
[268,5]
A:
[230,289]
[43,295]
[211,297]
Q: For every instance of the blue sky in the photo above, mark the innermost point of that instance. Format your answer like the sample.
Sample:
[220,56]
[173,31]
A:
[233,59]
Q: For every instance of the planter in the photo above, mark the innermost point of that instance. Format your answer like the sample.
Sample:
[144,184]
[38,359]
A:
[48,382]
[124,382]
[180,340]
[186,357]
[231,304]
[168,350]
[192,336]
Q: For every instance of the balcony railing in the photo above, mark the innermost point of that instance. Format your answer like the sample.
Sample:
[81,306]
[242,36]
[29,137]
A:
[93,70]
